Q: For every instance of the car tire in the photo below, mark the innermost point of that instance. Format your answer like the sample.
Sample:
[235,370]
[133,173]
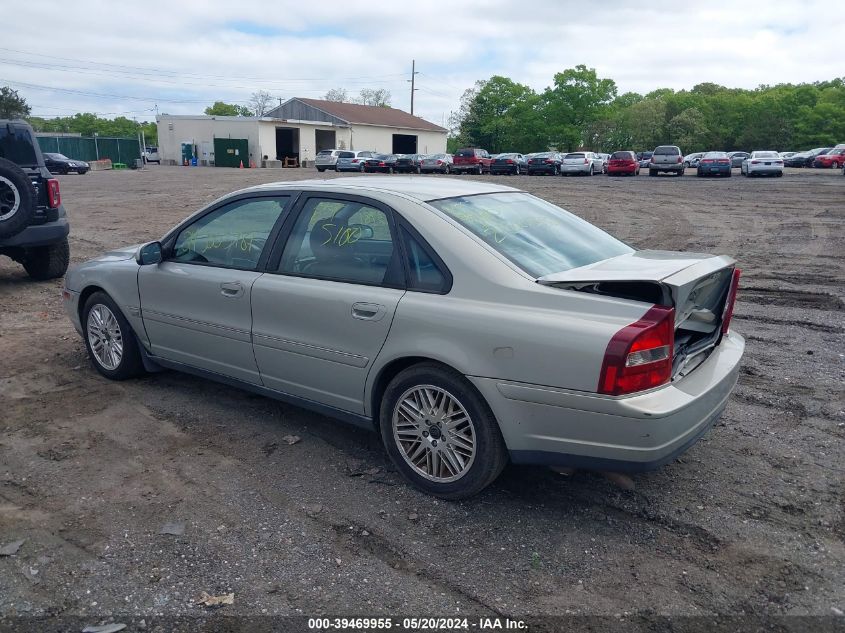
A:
[448,170]
[479,171]
[479,433]
[17,200]
[46,262]
[361,169]
[652,172]
[834,165]
[104,328]
[321,169]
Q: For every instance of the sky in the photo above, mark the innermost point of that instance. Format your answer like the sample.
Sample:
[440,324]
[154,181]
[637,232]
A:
[127,58]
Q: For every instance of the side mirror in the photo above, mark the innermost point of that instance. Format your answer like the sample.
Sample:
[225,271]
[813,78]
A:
[149,254]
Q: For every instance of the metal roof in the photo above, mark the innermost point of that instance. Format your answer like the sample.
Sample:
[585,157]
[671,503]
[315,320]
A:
[354,113]
[423,188]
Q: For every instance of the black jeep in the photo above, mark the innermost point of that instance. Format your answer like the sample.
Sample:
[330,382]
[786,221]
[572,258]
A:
[33,222]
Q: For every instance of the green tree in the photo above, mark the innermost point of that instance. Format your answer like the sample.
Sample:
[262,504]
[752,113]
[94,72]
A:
[577,98]
[220,108]
[12,105]
[337,94]
[374,97]
[688,129]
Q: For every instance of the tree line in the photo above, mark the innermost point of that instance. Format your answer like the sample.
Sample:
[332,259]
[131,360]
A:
[581,110]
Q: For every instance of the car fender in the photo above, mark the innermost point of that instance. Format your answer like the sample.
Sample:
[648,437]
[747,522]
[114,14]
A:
[117,276]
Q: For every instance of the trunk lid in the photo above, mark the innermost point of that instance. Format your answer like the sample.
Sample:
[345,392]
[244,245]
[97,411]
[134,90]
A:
[695,284]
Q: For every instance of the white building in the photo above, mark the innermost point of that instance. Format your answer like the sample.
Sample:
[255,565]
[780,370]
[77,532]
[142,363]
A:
[298,129]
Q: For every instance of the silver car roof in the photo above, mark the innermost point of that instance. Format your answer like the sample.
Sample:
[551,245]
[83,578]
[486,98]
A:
[424,189]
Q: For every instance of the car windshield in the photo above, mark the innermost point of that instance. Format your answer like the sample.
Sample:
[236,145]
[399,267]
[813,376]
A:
[667,151]
[324,152]
[621,156]
[465,152]
[574,156]
[506,156]
[715,155]
[383,156]
[766,155]
[534,234]
[55,156]
[16,146]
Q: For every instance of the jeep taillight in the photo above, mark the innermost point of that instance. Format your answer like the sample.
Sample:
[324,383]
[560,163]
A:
[639,356]
[54,195]
[730,301]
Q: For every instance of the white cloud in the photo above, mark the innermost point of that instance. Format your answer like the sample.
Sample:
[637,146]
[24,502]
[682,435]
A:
[303,49]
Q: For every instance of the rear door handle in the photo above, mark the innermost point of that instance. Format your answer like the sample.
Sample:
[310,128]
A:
[368,311]
[232,289]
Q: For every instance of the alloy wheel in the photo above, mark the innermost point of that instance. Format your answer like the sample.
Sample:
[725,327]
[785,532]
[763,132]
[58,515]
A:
[434,433]
[104,336]
[10,199]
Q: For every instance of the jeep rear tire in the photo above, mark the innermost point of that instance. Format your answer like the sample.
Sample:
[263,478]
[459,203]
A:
[47,262]
[17,203]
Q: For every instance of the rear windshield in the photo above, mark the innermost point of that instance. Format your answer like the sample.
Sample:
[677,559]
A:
[465,152]
[16,146]
[534,234]
[622,156]
[766,155]
[324,152]
[543,155]
[346,155]
[715,155]
[581,155]
[668,150]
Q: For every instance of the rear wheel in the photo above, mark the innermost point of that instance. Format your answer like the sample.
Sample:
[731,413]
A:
[47,262]
[321,169]
[835,165]
[111,344]
[591,171]
[440,433]
[480,170]
[361,169]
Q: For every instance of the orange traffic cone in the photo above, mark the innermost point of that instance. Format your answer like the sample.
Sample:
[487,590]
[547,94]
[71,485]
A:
[242,165]
[251,164]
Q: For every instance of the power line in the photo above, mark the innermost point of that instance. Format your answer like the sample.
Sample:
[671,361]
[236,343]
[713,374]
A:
[176,73]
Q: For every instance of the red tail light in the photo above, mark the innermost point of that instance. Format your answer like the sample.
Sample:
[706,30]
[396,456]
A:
[706,160]
[54,195]
[731,300]
[381,164]
[680,159]
[755,162]
[639,356]
[586,161]
[440,162]
[510,162]
[548,161]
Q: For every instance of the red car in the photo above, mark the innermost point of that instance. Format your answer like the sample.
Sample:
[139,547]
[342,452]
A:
[623,164]
[471,160]
[834,158]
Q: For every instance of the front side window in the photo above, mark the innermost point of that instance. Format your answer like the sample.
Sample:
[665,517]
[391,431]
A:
[232,236]
[535,235]
[341,240]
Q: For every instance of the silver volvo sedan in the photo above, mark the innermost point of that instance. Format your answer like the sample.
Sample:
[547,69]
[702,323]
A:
[468,323]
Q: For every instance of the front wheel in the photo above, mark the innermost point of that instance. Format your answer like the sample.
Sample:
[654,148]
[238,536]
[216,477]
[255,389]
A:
[109,340]
[447,171]
[440,433]
[321,169]
[834,165]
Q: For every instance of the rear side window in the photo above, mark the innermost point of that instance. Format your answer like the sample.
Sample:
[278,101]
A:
[423,272]
[622,156]
[16,146]
[667,150]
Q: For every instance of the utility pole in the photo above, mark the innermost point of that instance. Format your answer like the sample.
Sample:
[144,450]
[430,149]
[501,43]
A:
[414,74]
[280,101]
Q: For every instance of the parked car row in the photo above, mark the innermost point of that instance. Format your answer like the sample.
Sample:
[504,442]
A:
[664,159]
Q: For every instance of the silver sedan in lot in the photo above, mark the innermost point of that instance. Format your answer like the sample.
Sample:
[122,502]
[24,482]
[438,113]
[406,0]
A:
[468,323]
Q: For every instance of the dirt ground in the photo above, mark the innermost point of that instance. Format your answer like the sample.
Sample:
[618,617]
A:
[749,521]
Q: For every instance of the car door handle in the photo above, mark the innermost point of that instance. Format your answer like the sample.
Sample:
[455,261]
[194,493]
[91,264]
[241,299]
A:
[368,311]
[232,289]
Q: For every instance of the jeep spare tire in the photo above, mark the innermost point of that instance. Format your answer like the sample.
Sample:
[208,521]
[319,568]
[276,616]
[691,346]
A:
[17,203]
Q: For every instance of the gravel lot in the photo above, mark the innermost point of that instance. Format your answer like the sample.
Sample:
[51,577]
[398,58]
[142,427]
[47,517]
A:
[750,521]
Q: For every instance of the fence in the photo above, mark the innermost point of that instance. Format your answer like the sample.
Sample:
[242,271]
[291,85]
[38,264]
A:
[118,150]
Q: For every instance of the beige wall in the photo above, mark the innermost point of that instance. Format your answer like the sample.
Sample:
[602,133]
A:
[200,130]
[261,136]
[380,139]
